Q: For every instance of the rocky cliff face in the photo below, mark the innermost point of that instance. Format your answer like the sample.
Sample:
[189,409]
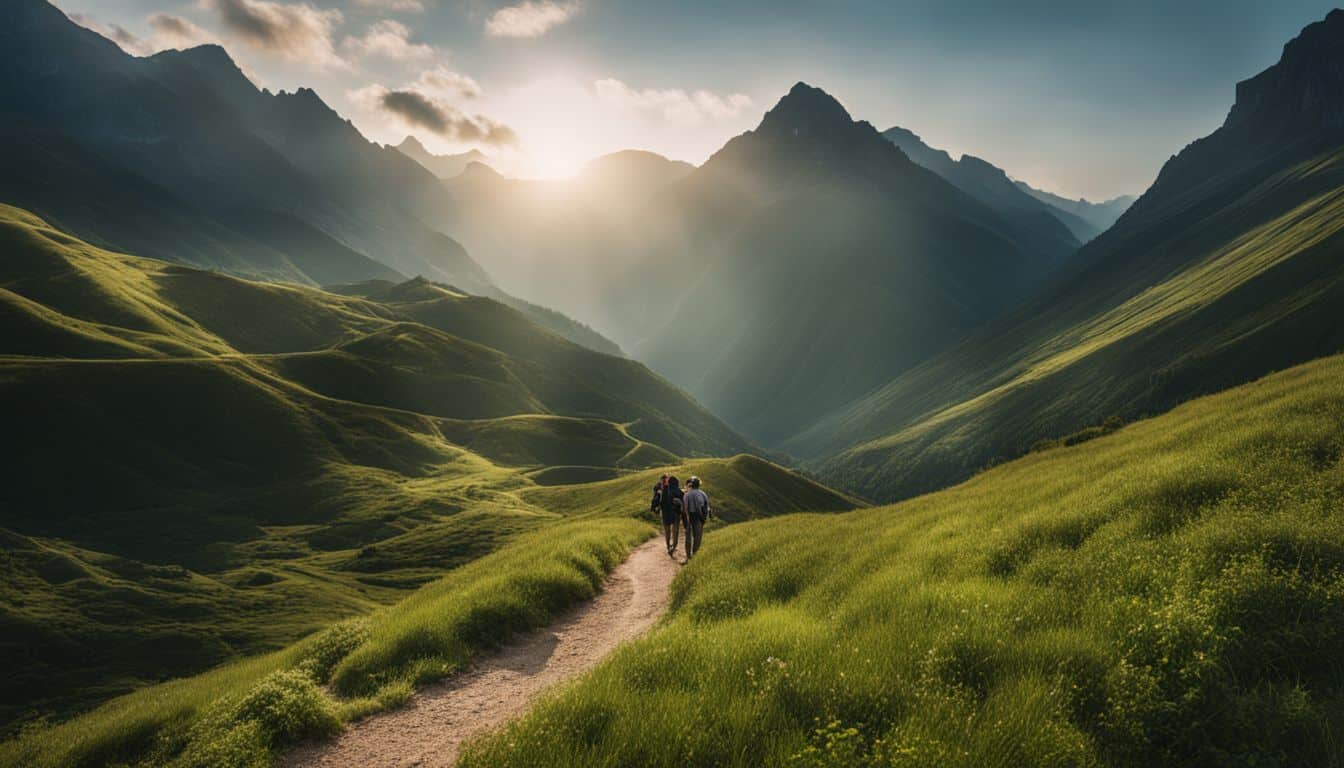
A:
[1304,90]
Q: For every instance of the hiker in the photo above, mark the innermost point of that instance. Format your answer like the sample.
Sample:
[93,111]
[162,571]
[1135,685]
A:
[670,505]
[656,505]
[696,504]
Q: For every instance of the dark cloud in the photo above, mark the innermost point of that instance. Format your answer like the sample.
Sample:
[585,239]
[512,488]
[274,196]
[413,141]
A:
[425,112]
[172,25]
[300,32]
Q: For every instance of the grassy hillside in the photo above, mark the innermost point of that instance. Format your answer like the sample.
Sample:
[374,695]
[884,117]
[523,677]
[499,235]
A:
[373,662]
[235,464]
[1170,594]
[1227,269]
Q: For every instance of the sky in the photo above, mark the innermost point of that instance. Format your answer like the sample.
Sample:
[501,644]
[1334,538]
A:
[1081,99]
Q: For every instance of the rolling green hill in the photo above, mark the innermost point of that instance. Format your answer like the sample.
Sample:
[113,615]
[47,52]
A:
[519,556]
[235,464]
[1227,268]
[1169,595]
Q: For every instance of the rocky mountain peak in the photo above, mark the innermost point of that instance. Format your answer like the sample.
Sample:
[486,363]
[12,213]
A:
[1304,91]
[805,111]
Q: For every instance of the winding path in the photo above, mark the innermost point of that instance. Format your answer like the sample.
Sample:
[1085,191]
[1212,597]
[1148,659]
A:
[429,731]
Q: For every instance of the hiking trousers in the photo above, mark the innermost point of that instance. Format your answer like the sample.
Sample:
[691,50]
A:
[672,532]
[695,528]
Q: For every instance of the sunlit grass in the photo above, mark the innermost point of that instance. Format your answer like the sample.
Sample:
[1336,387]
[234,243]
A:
[240,712]
[1170,594]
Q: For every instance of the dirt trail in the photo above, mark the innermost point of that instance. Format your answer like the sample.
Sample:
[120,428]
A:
[430,729]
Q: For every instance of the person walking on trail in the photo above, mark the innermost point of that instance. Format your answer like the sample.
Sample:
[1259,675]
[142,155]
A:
[670,505]
[696,504]
[656,506]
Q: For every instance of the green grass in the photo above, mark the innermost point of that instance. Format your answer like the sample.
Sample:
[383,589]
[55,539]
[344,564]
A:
[517,561]
[1209,285]
[212,468]
[1169,594]
[240,712]
[740,488]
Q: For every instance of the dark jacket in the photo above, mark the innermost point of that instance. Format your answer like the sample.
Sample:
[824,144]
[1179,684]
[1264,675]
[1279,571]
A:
[671,499]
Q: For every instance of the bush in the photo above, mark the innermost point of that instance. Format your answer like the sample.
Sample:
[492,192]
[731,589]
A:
[332,646]
[287,707]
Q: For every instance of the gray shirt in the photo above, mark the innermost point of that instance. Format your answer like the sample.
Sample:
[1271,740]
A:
[695,503]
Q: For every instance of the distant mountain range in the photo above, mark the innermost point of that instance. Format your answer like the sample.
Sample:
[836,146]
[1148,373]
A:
[1099,216]
[178,156]
[443,166]
[212,147]
[990,185]
[808,261]
[1230,266]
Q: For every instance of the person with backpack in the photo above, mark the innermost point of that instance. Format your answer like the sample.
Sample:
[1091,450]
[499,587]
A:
[670,505]
[696,504]
[656,505]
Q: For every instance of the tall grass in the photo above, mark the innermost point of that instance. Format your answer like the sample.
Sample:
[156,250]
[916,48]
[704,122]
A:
[240,713]
[1170,594]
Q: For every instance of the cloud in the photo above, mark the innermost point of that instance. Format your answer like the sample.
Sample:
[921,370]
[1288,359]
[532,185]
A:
[397,6]
[418,110]
[127,40]
[176,32]
[672,104]
[299,32]
[390,40]
[445,82]
[530,18]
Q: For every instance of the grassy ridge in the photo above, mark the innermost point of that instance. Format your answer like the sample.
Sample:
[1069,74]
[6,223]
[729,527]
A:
[1169,594]
[216,719]
[213,468]
[517,561]
[1237,276]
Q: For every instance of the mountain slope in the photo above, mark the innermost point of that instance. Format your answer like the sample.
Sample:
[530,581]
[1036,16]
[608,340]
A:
[210,466]
[1170,595]
[190,124]
[990,185]
[809,261]
[1227,268]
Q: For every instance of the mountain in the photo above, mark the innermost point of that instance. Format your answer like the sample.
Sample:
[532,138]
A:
[212,466]
[990,185]
[1098,216]
[443,166]
[632,169]
[189,126]
[1227,268]
[1166,596]
[809,261]
[558,241]
[52,175]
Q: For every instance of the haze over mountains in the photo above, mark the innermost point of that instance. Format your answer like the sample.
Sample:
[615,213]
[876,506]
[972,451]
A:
[1013,199]
[443,166]
[188,161]
[262,374]
[1227,268]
